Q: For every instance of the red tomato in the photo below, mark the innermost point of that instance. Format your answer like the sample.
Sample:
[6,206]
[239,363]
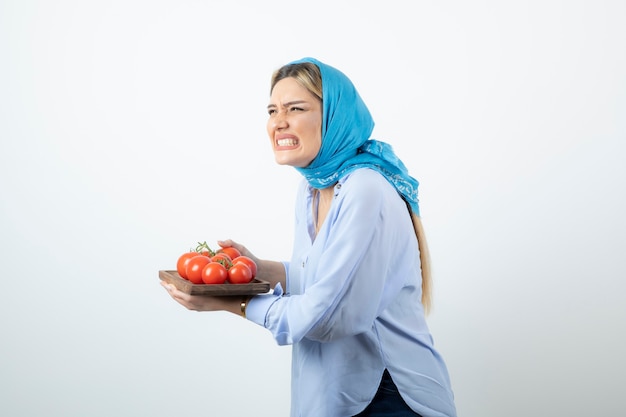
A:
[230,251]
[214,273]
[248,261]
[182,263]
[223,259]
[239,273]
[195,266]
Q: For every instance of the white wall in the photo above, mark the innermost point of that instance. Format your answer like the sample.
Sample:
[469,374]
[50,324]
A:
[129,130]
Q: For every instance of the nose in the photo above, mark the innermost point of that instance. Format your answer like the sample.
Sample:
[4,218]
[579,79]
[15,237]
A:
[280,120]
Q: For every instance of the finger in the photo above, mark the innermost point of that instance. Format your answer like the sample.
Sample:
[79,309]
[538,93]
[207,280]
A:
[241,248]
[226,243]
[175,292]
[179,296]
[189,302]
[170,288]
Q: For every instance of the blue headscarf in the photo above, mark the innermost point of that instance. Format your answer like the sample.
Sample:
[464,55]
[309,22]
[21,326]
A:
[346,144]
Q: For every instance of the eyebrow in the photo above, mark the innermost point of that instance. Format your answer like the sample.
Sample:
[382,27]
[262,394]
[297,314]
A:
[289,103]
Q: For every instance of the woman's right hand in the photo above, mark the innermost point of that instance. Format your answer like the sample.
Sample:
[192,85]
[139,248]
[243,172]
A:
[271,271]
[241,248]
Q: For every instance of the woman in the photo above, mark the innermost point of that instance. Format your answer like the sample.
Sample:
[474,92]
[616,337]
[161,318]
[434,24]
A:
[357,287]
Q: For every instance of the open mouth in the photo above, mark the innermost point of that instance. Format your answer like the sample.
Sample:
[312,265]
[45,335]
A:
[287,142]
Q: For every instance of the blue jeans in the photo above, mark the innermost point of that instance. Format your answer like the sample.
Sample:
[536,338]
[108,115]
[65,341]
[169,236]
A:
[387,402]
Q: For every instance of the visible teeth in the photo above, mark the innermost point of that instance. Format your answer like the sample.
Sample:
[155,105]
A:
[286,142]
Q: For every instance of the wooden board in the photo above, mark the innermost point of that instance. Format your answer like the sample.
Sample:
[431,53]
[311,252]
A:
[255,287]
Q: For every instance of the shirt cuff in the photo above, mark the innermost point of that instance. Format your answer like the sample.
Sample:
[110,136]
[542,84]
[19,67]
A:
[259,305]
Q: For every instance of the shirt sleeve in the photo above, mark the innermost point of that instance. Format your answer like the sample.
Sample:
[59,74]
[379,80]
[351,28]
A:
[352,272]
[256,310]
[257,307]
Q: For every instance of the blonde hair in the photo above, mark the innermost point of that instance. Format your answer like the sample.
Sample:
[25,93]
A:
[306,73]
[309,76]
[427,280]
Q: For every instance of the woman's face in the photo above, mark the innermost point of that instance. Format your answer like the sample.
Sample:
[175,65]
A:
[295,123]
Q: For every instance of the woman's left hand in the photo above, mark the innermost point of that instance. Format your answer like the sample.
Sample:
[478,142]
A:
[203,303]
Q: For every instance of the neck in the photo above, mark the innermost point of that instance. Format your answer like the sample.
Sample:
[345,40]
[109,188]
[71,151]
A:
[322,200]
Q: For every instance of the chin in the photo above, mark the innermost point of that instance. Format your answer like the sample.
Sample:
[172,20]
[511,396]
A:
[281,160]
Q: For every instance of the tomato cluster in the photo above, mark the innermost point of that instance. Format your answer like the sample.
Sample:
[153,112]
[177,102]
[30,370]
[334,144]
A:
[226,265]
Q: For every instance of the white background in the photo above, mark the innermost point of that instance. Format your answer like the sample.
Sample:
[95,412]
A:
[130,130]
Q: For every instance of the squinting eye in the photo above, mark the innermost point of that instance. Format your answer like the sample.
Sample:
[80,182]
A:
[271,112]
